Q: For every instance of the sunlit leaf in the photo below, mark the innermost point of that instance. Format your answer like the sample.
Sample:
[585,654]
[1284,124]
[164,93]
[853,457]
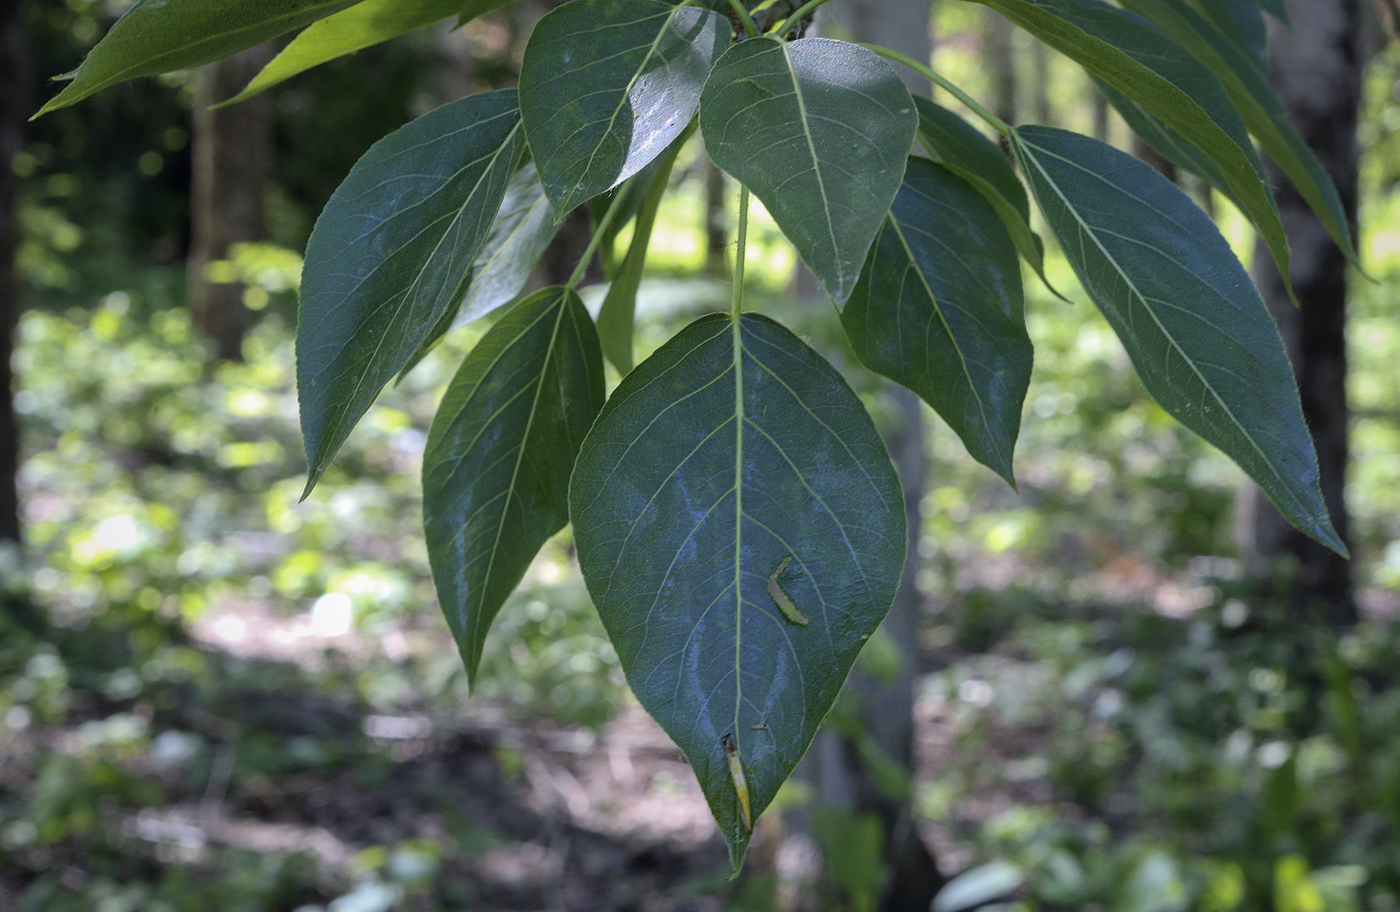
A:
[732,449]
[389,255]
[606,85]
[1193,323]
[496,469]
[819,130]
[363,25]
[939,309]
[161,36]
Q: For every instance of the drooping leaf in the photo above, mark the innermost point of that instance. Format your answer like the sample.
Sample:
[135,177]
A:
[617,316]
[522,230]
[161,36]
[1149,66]
[363,25]
[496,468]
[819,130]
[1165,141]
[1263,112]
[939,309]
[389,255]
[956,145]
[1192,322]
[732,449]
[606,85]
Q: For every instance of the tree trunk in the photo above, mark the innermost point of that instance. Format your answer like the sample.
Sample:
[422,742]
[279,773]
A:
[841,776]
[232,162]
[1316,67]
[14,112]
[999,57]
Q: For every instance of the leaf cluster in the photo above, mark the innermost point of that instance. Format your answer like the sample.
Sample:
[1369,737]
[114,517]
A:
[735,465]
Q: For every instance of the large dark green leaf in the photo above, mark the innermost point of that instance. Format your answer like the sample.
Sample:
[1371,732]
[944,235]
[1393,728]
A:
[159,36]
[939,309]
[1191,320]
[388,257]
[363,25]
[819,130]
[732,459]
[496,469]
[1263,112]
[1242,21]
[606,85]
[956,145]
[1150,67]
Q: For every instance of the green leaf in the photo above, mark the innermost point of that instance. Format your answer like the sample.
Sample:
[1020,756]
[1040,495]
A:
[389,255]
[496,469]
[819,130]
[1263,112]
[616,319]
[160,36]
[1167,142]
[523,228]
[1150,67]
[939,309]
[363,25]
[1191,320]
[956,145]
[606,85]
[731,449]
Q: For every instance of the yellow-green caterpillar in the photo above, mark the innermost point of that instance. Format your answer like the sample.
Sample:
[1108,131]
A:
[741,782]
[780,598]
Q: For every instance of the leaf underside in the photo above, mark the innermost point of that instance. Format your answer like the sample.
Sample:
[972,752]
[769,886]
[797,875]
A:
[1188,314]
[732,449]
[367,23]
[496,468]
[157,36]
[819,130]
[388,257]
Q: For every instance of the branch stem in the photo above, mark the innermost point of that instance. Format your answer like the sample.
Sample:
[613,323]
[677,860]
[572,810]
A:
[614,208]
[750,26]
[937,79]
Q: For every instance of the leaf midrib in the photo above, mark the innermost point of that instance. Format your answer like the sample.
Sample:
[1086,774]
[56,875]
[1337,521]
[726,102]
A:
[1133,289]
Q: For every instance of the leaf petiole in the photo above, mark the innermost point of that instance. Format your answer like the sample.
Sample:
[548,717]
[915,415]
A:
[599,233]
[739,254]
[742,14]
[797,17]
[925,71]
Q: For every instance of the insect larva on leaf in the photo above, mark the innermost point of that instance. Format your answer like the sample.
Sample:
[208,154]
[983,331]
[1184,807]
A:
[780,598]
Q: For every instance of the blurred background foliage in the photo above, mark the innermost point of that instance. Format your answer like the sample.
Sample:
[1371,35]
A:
[1105,706]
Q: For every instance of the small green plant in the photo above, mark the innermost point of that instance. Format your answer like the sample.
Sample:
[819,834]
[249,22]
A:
[736,454]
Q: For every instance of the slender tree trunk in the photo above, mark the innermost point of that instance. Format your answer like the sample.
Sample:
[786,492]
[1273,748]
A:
[14,112]
[835,766]
[1316,67]
[232,152]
